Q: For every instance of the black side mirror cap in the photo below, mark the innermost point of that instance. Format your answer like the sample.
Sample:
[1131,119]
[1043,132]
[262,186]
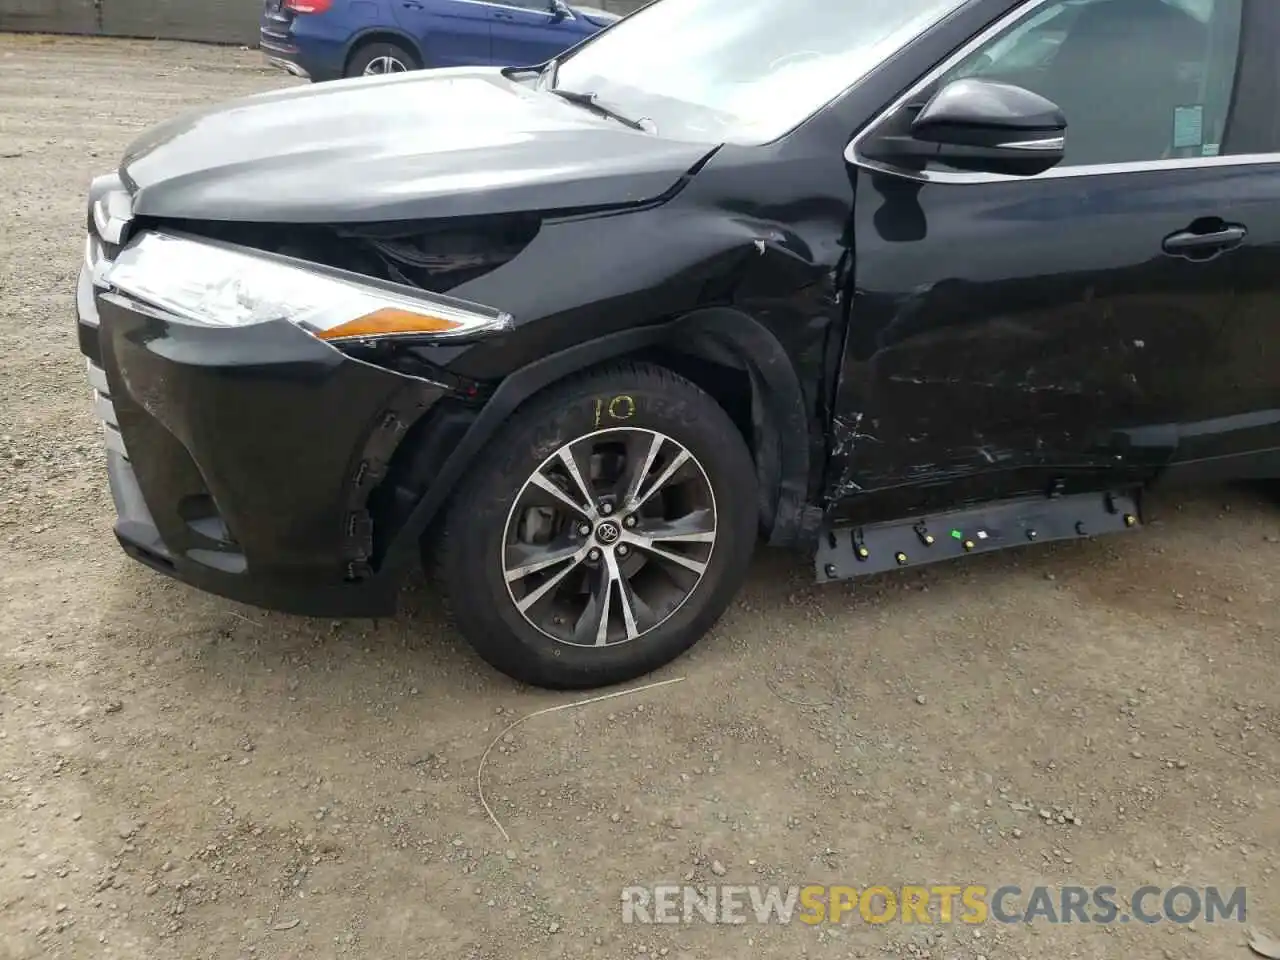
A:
[986,107]
[981,125]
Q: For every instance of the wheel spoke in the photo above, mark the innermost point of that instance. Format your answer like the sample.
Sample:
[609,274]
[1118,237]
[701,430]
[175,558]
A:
[592,628]
[641,453]
[678,461]
[533,559]
[570,461]
[563,499]
[552,582]
[624,595]
[696,527]
[602,626]
[647,545]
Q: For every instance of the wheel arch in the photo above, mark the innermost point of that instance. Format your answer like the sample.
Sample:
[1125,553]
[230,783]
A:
[773,422]
[723,351]
[381,34]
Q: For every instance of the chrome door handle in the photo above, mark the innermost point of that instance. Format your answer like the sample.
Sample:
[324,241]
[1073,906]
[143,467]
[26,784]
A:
[1186,243]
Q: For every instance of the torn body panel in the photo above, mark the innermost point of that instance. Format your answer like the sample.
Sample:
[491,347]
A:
[747,292]
[435,255]
[256,453]
[569,278]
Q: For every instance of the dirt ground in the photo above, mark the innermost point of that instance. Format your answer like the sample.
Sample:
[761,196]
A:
[181,776]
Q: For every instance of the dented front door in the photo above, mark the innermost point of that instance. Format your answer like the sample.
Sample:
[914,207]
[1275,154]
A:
[1008,334]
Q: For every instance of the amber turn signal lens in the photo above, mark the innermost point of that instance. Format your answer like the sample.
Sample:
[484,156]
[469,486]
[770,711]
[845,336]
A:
[389,321]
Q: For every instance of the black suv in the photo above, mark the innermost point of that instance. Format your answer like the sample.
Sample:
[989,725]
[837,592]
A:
[892,282]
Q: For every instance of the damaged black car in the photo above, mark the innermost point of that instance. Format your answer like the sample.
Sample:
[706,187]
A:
[889,281]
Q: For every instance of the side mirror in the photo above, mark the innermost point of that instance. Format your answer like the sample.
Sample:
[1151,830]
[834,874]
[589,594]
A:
[559,10]
[982,125]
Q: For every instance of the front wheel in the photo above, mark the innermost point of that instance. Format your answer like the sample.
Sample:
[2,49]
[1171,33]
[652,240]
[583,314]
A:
[604,531]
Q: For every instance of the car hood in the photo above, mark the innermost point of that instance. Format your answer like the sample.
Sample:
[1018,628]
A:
[436,143]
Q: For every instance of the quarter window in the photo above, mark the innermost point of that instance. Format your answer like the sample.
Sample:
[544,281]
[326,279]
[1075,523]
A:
[1137,79]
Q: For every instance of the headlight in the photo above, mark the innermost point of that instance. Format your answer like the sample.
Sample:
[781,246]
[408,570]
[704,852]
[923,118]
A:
[225,286]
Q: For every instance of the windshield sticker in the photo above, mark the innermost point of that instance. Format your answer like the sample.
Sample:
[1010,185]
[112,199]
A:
[1188,126]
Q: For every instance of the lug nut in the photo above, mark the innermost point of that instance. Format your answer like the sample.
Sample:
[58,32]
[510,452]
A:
[594,555]
[584,529]
[623,549]
[629,522]
[606,508]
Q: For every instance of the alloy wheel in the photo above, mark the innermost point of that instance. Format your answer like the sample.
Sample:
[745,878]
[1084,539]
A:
[609,537]
[383,65]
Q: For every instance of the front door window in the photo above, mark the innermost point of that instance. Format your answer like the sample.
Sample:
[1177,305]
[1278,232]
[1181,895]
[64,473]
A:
[1138,80]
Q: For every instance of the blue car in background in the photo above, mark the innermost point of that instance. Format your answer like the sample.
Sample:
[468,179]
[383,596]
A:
[329,39]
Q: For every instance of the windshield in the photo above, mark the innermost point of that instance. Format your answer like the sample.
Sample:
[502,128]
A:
[743,71]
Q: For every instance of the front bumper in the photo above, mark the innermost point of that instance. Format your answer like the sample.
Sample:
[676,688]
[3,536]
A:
[242,461]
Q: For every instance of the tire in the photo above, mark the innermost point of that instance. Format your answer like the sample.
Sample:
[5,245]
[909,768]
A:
[366,60]
[498,526]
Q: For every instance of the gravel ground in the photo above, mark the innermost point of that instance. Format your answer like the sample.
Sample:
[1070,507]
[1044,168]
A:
[184,777]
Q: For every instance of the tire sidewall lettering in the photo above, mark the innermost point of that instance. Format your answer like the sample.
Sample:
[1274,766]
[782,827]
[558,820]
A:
[635,409]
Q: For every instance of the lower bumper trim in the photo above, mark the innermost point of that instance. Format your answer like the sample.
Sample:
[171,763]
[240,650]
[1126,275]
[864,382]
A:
[289,67]
[369,599]
[227,575]
[133,519]
[113,440]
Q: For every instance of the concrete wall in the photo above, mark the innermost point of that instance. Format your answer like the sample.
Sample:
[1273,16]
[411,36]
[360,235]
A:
[62,16]
[213,21]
